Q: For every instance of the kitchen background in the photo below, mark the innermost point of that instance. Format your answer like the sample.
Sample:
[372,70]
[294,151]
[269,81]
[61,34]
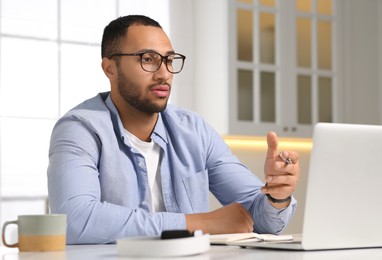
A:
[252,66]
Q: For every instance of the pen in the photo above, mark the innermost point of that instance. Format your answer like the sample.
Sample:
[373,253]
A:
[286,160]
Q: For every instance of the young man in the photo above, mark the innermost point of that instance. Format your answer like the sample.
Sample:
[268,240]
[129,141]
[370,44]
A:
[126,163]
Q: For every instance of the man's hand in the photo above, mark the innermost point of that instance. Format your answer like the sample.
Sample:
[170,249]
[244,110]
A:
[281,177]
[233,218]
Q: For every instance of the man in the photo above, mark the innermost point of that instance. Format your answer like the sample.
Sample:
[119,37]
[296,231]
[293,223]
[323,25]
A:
[125,163]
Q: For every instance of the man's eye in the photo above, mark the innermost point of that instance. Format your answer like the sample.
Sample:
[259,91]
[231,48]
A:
[147,59]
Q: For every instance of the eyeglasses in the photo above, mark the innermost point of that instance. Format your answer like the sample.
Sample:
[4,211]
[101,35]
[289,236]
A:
[151,61]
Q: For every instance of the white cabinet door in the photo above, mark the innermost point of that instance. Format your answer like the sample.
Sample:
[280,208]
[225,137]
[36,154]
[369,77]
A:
[282,67]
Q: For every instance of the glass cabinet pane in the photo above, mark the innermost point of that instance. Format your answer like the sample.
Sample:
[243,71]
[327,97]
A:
[303,42]
[267,2]
[324,7]
[304,5]
[325,110]
[244,35]
[267,38]
[304,99]
[324,38]
[268,97]
[245,95]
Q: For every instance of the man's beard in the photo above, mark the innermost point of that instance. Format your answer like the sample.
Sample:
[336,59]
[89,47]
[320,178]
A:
[130,92]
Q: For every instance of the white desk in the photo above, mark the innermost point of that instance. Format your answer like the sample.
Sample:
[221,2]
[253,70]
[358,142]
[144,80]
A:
[94,252]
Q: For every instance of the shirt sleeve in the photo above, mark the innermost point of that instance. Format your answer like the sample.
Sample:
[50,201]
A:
[74,189]
[231,181]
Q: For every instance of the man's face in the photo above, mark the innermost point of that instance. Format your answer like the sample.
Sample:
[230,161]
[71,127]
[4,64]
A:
[145,91]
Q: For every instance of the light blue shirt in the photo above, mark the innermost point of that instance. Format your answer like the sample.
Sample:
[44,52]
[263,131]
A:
[100,181]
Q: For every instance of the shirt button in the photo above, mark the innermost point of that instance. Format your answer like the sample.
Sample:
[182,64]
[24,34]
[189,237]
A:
[141,165]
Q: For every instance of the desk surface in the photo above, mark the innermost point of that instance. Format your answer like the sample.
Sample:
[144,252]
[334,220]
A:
[94,252]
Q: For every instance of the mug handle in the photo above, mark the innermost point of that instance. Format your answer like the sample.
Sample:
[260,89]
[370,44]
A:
[3,233]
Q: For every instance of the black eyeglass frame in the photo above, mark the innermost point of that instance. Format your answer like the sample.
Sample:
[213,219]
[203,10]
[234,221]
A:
[140,54]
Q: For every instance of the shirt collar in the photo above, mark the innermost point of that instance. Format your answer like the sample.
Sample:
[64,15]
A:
[159,130]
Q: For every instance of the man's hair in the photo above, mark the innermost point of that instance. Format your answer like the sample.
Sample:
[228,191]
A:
[117,29]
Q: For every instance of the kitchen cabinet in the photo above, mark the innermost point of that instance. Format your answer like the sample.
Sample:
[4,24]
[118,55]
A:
[296,64]
[282,67]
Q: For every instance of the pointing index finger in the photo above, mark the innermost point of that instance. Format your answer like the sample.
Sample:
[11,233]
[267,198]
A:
[272,142]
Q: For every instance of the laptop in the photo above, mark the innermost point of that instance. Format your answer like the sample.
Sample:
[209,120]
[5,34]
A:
[343,207]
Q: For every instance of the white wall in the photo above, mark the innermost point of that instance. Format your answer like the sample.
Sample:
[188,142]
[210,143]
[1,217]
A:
[181,35]
[199,30]
[211,62]
[361,61]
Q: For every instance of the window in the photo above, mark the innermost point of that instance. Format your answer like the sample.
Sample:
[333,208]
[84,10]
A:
[50,60]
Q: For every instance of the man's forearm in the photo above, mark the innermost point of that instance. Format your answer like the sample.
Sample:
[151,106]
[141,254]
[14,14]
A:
[233,218]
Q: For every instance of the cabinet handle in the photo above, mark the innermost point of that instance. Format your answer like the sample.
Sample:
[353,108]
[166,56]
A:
[294,129]
[285,129]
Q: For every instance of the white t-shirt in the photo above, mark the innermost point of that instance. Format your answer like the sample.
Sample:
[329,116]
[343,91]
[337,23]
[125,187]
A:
[151,153]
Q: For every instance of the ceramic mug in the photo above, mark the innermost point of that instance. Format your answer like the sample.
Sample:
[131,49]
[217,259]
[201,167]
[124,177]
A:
[39,232]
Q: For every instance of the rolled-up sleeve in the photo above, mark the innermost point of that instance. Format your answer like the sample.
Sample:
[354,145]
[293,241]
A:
[231,181]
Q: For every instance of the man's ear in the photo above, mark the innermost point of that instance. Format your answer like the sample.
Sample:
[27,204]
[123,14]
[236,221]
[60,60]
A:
[109,68]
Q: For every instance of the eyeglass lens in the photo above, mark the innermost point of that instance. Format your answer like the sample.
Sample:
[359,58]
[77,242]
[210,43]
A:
[152,61]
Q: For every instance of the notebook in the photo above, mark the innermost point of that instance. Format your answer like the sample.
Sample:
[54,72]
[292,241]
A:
[226,239]
[343,206]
